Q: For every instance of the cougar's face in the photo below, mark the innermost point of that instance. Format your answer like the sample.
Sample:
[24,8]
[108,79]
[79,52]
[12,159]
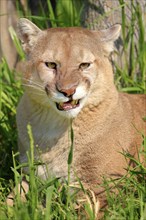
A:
[67,65]
[66,70]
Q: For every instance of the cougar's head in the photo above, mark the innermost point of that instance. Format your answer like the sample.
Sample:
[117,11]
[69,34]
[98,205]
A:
[66,68]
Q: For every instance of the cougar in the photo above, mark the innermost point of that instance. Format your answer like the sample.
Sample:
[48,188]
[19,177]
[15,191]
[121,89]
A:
[68,79]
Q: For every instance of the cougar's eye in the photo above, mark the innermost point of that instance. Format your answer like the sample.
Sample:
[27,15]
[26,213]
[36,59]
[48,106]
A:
[51,65]
[84,66]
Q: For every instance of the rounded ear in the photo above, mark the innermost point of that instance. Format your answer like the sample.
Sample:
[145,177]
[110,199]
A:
[108,36]
[111,34]
[27,33]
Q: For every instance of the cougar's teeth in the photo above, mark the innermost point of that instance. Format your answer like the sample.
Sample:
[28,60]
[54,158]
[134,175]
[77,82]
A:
[74,102]
[61,104]
[65,106]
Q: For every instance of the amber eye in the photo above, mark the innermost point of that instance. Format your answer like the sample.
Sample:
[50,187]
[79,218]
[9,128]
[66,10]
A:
[51,65]
[84,66]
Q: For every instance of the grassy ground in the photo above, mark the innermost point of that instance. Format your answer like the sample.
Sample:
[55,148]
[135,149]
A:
[51,199]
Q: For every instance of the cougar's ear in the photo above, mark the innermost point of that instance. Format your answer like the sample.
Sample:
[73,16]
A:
[108,36]
[28,34]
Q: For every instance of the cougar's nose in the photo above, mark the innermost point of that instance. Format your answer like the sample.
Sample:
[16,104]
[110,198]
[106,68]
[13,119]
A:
[67,91]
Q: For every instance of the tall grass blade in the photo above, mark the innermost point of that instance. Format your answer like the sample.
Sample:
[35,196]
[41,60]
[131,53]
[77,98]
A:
[51,13]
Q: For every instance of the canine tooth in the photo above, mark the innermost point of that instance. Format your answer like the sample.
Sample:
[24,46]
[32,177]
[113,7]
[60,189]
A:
[74,102]
[61,104]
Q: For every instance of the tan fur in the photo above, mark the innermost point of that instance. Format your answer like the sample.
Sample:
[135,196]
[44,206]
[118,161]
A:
[107,122]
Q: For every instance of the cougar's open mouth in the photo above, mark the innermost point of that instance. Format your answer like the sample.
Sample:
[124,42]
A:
[65,106]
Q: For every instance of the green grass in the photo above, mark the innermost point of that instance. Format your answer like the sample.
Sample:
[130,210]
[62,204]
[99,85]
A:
[46,199]
[51,199]
[132,76]
[10,92]
[130,200]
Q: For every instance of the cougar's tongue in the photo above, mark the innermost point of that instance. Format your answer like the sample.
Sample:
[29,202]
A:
[67,105]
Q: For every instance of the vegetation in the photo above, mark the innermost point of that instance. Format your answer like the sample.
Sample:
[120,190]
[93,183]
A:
[51,199]
[132,76]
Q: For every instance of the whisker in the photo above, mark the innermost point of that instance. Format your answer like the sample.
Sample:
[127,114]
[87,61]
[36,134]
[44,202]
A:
[32,82]
[34,86]
[38,94]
